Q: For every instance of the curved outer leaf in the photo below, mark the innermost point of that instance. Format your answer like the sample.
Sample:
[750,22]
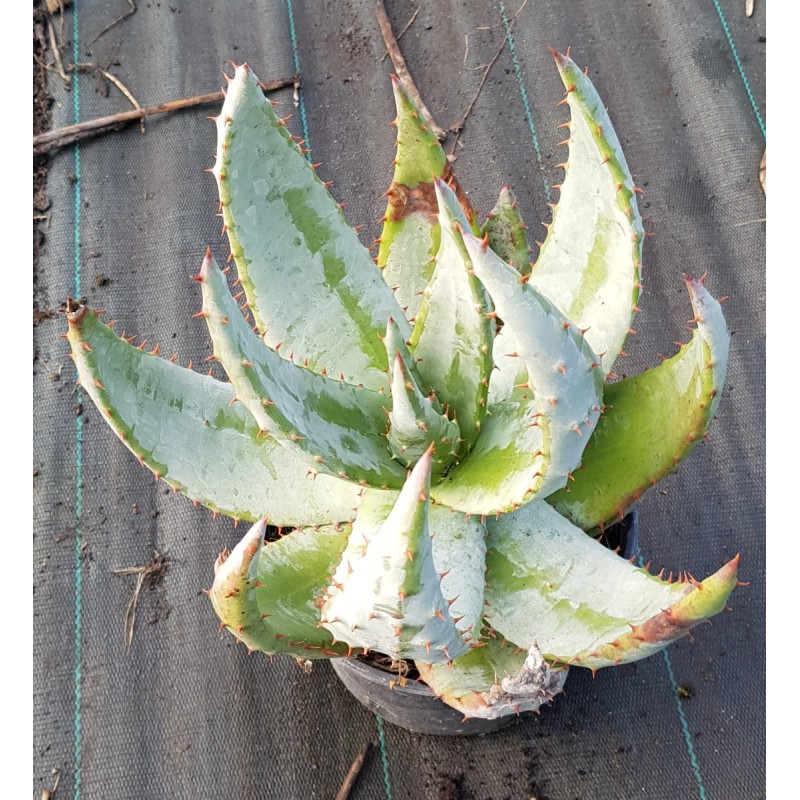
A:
[495,680]
[453,334]
[506,232]
[390,599]
[265,593]
[534,438]
[590,261]
[309,281]
[652,421]
[411,233]
[551,584]
[339,428]
[183,427]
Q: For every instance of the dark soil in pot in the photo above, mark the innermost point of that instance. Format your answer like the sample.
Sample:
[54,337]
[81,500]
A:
[398,696]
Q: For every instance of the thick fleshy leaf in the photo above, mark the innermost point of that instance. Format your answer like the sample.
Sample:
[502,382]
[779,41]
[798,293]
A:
[265,594]
[509,370]
[506,232]
[184,427]
[391,599]
[590,261]
[416,420]
[652,421]
[495,680]
[411,233]
[339,428]
[414,424]
[551,584]
[459,557]
[309,281]
[459,554]
[533,439]
[453,334]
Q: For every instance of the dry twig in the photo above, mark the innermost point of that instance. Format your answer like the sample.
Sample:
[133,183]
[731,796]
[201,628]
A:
[459,126]
[60,137]
[352,774]
[157,565]
[400,35]
[47,794]
[113,79]
[128,13]
[55,46]
[762,172]
[399,64]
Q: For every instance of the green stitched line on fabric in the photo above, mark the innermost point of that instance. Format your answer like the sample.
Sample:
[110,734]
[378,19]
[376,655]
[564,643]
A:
[741,69]
[76,114]
[685,727]
[384,758]
[528,114]
[687,737]
[296,58]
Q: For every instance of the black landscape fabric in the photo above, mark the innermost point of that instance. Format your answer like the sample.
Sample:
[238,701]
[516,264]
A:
[185,713]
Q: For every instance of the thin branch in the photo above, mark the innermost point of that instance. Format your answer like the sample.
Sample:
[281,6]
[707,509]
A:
[128,13]
[56,48]
[400,35]
[749,222]
[352,774]
[459,126]
[401,69]
[157,565]
[60,137]
[61,19]
[116,81]
[56,5]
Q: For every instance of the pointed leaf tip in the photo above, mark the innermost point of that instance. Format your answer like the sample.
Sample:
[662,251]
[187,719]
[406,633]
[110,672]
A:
[246,550]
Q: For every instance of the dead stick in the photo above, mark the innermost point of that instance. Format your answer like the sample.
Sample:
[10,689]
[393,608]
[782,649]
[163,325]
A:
[116,81]
[56,48]
[459,126]
[352,774]
[400,35]
[84,130]
[131,10]
[157,564]
[401,69]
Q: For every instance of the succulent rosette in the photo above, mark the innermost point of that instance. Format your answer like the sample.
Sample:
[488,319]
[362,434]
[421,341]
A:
[431,430]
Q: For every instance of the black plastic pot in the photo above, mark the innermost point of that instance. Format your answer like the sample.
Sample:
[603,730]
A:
[414,706]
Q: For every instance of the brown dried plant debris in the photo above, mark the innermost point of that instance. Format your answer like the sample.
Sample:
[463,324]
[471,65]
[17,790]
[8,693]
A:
[154,570]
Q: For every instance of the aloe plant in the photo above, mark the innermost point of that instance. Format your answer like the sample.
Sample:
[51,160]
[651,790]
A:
[415,429]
